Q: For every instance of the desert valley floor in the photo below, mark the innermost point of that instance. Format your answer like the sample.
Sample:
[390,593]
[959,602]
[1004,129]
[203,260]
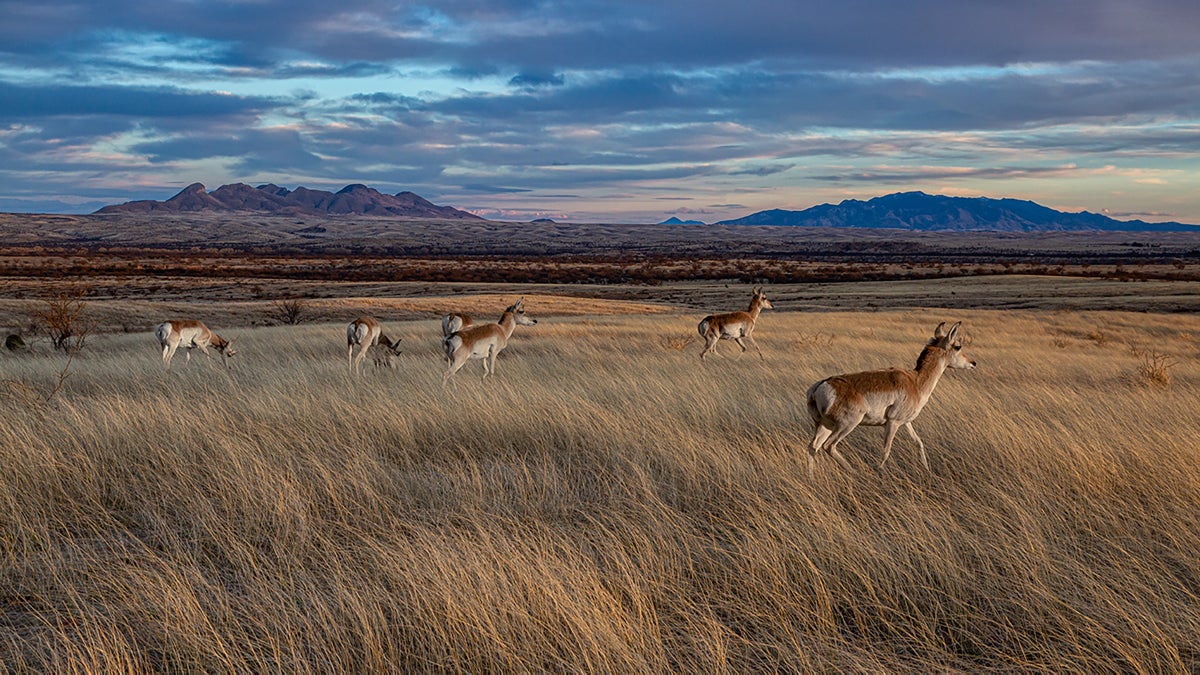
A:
[606,502]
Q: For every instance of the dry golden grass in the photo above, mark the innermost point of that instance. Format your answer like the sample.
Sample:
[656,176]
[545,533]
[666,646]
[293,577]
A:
[605,504]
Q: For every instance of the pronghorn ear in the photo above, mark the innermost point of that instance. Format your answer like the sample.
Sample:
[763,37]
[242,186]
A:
[953,331]
[940,331]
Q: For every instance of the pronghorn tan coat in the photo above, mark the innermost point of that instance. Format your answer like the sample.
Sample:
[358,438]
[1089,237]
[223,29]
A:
[190,334]
[454,322]
[888,398]
[484,341]
[364,333]
[734,326]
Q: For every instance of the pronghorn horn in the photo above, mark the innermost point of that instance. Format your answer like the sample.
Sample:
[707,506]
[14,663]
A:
[940,331]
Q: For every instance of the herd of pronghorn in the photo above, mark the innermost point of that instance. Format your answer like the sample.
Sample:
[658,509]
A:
[889,398]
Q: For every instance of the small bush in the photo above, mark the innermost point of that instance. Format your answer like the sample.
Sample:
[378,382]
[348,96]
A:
[291,312]
[677,342]
[1155,369]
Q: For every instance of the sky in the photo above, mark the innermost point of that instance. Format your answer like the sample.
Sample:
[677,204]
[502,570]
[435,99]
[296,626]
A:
[627,111]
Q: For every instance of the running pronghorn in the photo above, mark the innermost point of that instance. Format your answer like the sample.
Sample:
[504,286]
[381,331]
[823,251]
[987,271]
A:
[889,398]
[454,322]
[190,333]
[483,341]
[733,326]
[365,332]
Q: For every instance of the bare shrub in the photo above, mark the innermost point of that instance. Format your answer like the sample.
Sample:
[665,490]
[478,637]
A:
[63,317]
[290,312]
[1155,369]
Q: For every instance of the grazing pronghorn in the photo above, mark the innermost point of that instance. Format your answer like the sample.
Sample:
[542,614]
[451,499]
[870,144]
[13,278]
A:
[454,322]
[365,332]
[889,398]
[190,333]
[483,341]
[733,326]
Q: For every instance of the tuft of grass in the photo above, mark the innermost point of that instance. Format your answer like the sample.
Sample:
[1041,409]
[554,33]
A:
[678,343]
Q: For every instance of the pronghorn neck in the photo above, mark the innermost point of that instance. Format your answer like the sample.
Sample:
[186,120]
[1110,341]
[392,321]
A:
[508,322]
[755,309]
[217,341]
[930,365]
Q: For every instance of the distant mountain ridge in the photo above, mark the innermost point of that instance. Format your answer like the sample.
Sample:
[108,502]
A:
[355,199]
[920,211]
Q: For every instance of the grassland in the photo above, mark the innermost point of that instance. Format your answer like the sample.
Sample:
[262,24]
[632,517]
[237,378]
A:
[606,503]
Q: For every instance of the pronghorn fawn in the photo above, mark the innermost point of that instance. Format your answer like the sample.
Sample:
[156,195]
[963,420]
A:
[889,398]
[454,322]
[189,334]
[483,341]
[364,333]
[734,326]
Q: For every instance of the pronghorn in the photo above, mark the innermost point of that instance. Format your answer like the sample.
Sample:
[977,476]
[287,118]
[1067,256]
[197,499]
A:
[483,341]
[454,322]
[365,332]
[889,398]
[190,333]
[733,326]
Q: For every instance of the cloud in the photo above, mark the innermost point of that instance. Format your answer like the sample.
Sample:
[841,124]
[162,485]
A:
[921,174]
[24,102]
[598,98]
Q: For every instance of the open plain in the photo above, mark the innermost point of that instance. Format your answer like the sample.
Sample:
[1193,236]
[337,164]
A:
[605,503]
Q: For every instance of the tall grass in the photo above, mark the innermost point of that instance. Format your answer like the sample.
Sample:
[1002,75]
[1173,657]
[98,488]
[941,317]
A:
[605,503]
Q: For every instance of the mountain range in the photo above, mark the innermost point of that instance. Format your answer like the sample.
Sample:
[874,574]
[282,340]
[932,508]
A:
[920,211]
[916,211]
[358,200]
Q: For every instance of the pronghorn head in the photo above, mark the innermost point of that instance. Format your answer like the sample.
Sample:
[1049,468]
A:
[760,299]
[518,312]
[952,343]
[227,351]
[391,345]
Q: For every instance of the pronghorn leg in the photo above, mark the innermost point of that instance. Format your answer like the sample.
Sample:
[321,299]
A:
[168,352]
[741,344]
[890,430]
[841,459]
[913,432]
[453,367]
[207,355]
[756,347]
[489,363]
[836,437]
[187,356]
[350,357]
[710,346]
[819,436]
